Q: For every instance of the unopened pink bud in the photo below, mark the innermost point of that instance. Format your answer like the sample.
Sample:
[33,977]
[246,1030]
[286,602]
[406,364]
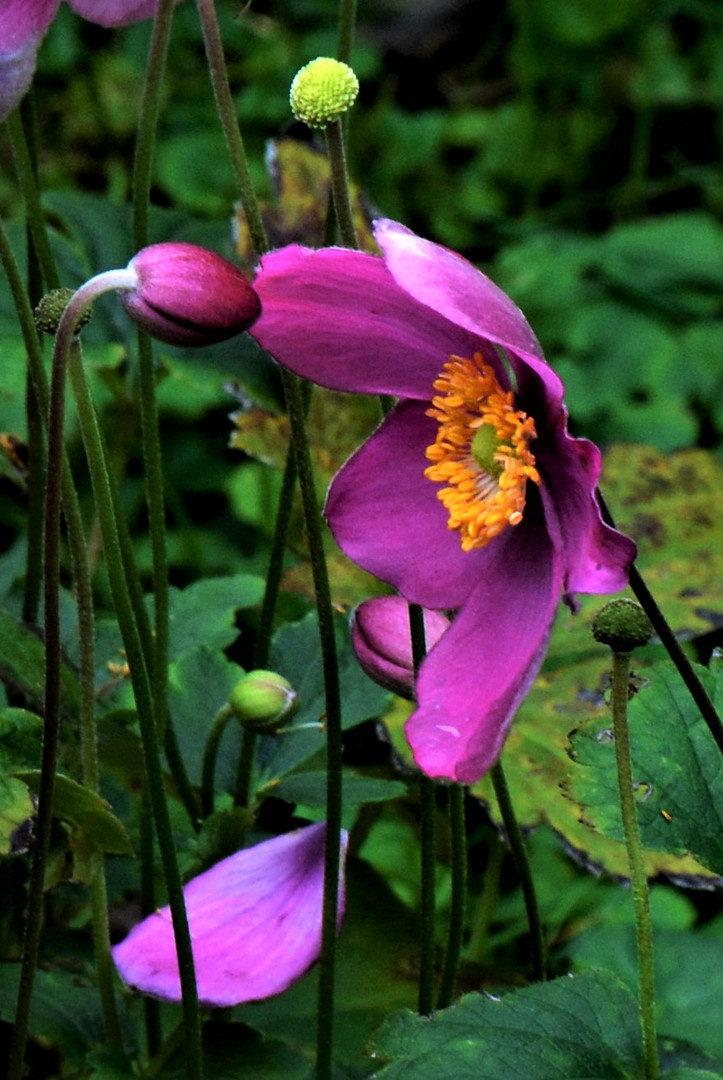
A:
[381,639]
[185,295]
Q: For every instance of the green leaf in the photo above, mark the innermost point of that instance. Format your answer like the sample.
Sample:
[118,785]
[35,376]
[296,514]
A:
[21,738]
[687,976]
[22,665]
[296,654]
[199,684]
[86,811]
[16,807]
[234,1050]
[64,1013]
[583,1026]
[203,613]
[676,770]
[309,789]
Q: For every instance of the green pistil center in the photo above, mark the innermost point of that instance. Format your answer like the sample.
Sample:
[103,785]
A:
[483,447]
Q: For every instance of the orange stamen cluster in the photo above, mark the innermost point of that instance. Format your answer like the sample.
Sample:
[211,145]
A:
[485,489]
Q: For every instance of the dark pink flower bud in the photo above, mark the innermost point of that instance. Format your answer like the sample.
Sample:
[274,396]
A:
[382,643]
[185,295]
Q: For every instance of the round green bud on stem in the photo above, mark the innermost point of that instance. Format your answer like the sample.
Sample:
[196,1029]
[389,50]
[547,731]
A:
[322,91]
[263,701]
[623,625]
[50,310]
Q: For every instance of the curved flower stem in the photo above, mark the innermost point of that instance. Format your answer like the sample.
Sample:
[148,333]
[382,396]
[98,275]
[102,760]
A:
[325,1018]
[428,843]
[670,642]
[334,134]
[456,797]
[84,600]
[210,753]
[519,855]
[227,114]
[638,878]
[67,354]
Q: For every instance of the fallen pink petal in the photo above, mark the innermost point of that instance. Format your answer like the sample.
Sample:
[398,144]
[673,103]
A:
[471,496]
[255,923]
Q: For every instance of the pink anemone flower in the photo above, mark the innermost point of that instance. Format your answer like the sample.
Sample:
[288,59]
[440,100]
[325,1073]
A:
[471,497]
[255,923]
[23,25]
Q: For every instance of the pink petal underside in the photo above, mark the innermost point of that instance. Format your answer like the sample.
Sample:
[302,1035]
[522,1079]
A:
[473,681]
[453,287]
[255,922]
[337,317]
[385,515]
[115,12]
[596,557]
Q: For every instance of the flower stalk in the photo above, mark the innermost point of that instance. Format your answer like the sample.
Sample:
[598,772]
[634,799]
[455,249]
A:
[513,835]
[624,626]
[455,933]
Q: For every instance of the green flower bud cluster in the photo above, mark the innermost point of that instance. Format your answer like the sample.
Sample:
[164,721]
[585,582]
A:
[622,625]
[322,91]
[50,310]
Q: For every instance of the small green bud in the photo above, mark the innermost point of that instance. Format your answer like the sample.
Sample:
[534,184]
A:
[322,91]
[623,625]
[263,701]
[50,310]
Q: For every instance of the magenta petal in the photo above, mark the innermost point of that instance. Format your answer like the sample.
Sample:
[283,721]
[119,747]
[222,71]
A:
[23,24]
[115,12]
[255,922]
[473,681]
[381,638]
[450,285]
[385,515]
[337,317]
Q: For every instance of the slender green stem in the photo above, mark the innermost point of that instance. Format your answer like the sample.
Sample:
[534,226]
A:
[84,600]
[27,184]
[428,844]
[334,134]
[487,903]
[347,22]
[325,1017]
[36,503]
[210,754]
[456,797]
[276,562]
[151,1006]
[51,726]
[516,844]
[65,346]
[227,114]
[638,877]
[245,770]
[671,644]
[32,587]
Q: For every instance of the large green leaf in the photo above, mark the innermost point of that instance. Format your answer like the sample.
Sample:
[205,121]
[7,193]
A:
[86,811]
[584,1027]
[676,770]
[22,665]
[203,613]
[296,654]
